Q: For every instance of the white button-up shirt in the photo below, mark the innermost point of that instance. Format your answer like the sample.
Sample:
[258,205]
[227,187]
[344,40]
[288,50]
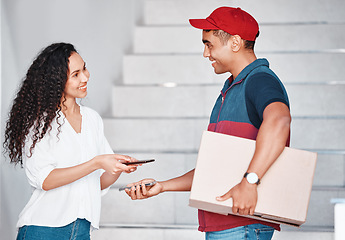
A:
[80,199]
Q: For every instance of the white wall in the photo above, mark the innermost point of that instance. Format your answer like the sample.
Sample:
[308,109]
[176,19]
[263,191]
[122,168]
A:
[102,33]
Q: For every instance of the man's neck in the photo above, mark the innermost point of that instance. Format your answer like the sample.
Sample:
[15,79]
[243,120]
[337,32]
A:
[241,62]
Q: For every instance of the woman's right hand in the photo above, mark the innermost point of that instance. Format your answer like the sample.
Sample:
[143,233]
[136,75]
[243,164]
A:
[113,163]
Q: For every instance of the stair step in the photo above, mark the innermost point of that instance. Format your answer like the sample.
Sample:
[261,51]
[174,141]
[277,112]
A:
[146,234]
[160,69]
[273,38]
[321,210]
[166,233]
[154,134]
[317,100]
[318,133]
[198,100]
[330,170]
[184,134]
[157,101]
[172,12]
[195,69]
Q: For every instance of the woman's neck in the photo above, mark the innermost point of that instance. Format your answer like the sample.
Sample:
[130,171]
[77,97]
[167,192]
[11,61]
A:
[70,107]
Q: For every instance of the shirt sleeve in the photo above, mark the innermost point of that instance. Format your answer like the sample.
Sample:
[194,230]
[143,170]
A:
[262,90]
[105,149]
[39,165]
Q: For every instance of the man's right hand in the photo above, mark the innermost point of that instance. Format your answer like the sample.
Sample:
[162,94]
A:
[143,192]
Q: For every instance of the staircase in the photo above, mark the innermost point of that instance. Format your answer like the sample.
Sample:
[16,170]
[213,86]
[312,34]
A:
[169,89]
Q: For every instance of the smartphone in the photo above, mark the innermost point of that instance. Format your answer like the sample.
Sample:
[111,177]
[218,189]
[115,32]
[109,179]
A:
[139,162]
[146,184]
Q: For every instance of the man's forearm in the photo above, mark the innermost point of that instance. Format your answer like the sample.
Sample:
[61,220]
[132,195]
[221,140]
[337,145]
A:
[182,183]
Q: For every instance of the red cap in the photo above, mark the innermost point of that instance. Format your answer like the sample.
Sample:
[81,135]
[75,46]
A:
[234,21]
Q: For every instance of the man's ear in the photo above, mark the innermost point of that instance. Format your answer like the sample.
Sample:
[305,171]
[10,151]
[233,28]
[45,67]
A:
[236,43]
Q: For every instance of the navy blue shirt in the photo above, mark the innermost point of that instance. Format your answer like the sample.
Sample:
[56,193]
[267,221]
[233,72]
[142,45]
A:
[262,89]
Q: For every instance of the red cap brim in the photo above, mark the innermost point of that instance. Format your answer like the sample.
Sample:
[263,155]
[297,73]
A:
[202,24]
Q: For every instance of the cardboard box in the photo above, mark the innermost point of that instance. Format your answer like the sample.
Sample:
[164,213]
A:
[284,191]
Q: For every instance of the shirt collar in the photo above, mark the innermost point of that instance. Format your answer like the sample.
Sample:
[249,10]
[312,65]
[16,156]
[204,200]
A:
[244,73]
[257,63]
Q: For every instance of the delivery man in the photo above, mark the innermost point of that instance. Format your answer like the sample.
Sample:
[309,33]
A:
[253,104]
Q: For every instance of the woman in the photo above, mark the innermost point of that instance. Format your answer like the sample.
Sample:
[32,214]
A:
[62,147]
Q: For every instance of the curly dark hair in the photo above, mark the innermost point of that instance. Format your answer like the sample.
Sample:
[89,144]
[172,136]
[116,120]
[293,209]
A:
[38,100]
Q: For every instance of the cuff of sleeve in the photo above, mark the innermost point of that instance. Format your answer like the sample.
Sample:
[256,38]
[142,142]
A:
[272,101]
[105,191]
[43,175]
